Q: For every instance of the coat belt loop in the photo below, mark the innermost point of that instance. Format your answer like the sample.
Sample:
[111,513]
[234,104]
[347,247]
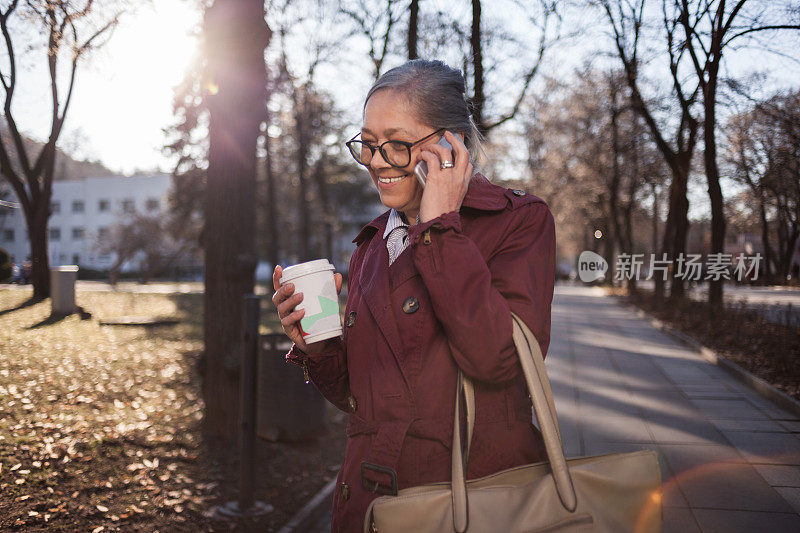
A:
[385,449]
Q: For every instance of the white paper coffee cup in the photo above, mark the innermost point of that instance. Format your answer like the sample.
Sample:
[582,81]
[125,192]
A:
[320,300]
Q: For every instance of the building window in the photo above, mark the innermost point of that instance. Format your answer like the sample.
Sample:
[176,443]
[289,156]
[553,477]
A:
[103,205]
[152,204]
[128,206]
[8,235]
[55,234]
[77,206]
[55,207]
[77,234]
[76,258]
[102,232]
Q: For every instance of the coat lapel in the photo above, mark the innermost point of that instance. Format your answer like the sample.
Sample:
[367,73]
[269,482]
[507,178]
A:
[374,287]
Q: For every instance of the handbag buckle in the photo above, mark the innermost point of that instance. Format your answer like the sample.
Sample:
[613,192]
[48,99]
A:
[375,486]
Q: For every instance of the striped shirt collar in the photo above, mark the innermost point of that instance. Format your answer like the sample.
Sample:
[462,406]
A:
[395,220]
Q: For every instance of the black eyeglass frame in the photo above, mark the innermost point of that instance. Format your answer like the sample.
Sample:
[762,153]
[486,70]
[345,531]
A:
[352,142]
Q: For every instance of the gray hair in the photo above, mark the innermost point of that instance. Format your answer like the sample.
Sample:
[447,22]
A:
[435,93]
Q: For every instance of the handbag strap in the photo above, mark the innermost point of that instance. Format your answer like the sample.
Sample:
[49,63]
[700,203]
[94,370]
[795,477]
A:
[532,362]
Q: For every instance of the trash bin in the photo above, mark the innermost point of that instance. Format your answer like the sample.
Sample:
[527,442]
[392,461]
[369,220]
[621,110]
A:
[289,409]
[62,289]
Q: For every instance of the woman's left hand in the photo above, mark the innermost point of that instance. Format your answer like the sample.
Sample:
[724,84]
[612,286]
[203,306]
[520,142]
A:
[445,188]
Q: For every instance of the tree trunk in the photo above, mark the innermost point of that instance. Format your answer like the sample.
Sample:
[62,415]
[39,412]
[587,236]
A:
[272,230]
[236,36]
[37,233]
[654,188]
[325,207]
[304,250]
[769,256]
[478,98]
[627,214]
[680,220]
[613,189]
[715,288]
[608,248]
[413,24]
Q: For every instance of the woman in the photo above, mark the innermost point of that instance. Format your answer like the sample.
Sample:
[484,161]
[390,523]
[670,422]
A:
[422,306]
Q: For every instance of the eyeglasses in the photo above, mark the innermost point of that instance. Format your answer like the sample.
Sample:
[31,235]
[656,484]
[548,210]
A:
[396,153]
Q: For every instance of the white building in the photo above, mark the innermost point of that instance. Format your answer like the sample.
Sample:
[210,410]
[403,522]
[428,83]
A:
[83,211]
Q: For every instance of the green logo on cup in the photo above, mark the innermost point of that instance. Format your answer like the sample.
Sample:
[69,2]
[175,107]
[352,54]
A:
[329,308]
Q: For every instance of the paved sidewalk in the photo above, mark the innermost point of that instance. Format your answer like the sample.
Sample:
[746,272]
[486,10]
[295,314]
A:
[730,458]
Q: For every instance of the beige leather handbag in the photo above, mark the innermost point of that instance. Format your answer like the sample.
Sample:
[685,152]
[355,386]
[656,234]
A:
[616,492]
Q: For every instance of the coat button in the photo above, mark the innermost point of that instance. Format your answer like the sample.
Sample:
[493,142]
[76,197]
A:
[345,491]
[351,319]
[410,305]
[352,403]
[519,192]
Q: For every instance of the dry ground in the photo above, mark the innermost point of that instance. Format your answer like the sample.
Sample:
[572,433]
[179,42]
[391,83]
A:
[99,425]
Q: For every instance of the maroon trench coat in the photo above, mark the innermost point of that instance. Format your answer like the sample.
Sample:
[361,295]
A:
[443,304]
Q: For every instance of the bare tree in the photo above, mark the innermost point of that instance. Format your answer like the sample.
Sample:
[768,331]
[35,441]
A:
[70,30]
[152,243]
[543,16]
[627,22]
[763,152]
[312,116]
[441,32]
[590,157]
[375,23]
[710,29]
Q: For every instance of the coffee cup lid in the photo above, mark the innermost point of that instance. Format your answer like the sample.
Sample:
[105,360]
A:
[301,269]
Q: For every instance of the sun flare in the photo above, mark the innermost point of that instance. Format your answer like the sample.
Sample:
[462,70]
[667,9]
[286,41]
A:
[126,93]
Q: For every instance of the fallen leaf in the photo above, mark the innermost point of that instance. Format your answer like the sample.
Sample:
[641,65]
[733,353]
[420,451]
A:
[102,508]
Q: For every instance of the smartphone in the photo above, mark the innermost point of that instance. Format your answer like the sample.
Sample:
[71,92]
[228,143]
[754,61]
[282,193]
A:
[421,168]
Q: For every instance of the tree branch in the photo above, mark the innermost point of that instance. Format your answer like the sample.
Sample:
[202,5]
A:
[22,154]
[763,28]
[689,31]
[528,78]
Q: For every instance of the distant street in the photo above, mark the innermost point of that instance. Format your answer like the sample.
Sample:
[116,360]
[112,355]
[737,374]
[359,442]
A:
[770,295]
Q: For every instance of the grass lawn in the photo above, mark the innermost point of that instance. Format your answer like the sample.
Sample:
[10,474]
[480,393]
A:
[99,425]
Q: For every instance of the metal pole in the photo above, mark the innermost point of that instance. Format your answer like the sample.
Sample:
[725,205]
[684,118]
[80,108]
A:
[246,507]
[247,437]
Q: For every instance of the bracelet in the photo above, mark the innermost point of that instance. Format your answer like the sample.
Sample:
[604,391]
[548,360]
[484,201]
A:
[304,364]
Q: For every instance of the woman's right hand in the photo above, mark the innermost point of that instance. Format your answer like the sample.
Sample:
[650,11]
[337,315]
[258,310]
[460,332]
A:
[285,300]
